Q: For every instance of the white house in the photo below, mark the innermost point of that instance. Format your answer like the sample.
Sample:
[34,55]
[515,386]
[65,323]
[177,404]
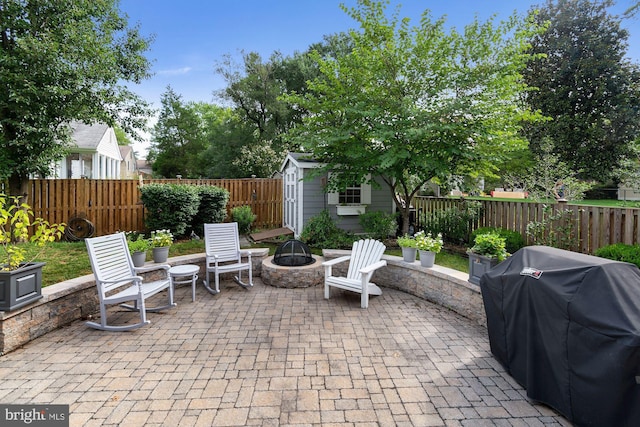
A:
[129,165]
[305,198]
[94,153]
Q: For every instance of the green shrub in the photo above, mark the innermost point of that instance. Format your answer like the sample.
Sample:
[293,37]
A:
[491,245]
[407,241]
[513,239]
[137,243]
[620,252]
[212,207]
[378,225]
[455,224]
[321,231]
[170,206]
[556,228]
[244,216]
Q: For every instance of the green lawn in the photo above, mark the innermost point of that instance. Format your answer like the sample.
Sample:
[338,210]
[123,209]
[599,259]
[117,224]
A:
[66,260]
[603,202]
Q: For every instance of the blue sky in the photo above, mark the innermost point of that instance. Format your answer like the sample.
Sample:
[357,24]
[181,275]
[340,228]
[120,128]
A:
[191,36]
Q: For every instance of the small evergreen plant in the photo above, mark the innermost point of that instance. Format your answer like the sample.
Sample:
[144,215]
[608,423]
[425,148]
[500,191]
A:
[244,216]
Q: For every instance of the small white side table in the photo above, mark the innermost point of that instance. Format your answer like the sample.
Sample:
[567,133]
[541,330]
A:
[182,274]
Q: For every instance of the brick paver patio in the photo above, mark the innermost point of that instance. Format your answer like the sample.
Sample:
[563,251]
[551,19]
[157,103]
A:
[270,356]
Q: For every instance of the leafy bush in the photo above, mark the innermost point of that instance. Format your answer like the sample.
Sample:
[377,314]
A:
[455,224]
[513,239]
[491,245]
[321,231]
[378,225]
[212,207]
[620,252]
[244,216]
[555,228]
[137,243]
[170,206]
[407,241]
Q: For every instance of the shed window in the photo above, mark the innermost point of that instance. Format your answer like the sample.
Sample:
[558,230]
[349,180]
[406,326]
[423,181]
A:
[356,194]
[351,195]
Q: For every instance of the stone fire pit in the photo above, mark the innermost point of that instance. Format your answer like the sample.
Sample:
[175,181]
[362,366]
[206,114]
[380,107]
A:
[281,276]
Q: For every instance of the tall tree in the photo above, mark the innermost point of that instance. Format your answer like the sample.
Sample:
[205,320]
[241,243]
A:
[254,89]
[226,134]
[587,87]
[413,103]
[63,61]
[177,138]
[121,136]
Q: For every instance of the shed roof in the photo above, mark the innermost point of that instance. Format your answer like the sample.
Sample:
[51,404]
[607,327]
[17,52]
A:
[301,160]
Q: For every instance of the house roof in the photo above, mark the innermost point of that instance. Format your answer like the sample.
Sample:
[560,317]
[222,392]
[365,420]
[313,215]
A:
[143,166]
[88,136]
[125,150]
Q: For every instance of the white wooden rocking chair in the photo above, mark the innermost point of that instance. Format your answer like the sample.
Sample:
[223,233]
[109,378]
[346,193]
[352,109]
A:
[117,280]
[364,260]
[223,254]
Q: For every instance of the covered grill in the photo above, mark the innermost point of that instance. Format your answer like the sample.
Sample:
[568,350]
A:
[566,326]
[293,253]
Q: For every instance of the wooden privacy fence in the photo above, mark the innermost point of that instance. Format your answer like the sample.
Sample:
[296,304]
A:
[115,205]
[594,226]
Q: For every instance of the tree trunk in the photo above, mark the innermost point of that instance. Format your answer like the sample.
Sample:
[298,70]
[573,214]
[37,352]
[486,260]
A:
[18,186]
[406,216]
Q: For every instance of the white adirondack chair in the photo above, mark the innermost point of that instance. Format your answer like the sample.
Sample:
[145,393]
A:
[223,254]
[118,280]
[364,260]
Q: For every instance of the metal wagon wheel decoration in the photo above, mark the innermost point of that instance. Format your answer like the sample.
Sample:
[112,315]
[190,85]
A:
[79,228]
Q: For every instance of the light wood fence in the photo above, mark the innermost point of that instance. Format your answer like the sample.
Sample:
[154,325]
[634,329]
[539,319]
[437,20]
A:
[115,205]
[594,226]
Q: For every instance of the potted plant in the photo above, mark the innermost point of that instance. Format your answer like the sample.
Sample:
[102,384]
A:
[20,276]
[409,249]
[160,241]
[488,250]
[428,246]
[138,247]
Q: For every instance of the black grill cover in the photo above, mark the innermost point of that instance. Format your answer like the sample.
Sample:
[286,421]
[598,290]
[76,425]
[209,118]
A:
[566,326]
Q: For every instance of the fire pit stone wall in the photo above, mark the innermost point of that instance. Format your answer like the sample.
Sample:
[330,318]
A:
[292,277]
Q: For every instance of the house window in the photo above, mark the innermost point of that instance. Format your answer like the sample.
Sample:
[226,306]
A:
[351,195]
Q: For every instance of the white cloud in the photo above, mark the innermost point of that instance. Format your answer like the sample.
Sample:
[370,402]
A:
[175,71]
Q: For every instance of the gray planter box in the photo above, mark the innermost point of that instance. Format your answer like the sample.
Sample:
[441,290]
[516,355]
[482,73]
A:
[20,287]
[478,265]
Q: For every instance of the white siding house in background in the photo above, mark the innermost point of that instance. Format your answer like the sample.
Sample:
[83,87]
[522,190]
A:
[128,168]
[304,198]
[94,153]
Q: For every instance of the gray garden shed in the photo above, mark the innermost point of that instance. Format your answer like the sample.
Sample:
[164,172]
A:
[304,197]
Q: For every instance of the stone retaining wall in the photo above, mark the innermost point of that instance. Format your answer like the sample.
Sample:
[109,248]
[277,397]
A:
[441,285]
[77,299]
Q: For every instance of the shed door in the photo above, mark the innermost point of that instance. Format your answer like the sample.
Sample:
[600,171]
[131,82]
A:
[290,198]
